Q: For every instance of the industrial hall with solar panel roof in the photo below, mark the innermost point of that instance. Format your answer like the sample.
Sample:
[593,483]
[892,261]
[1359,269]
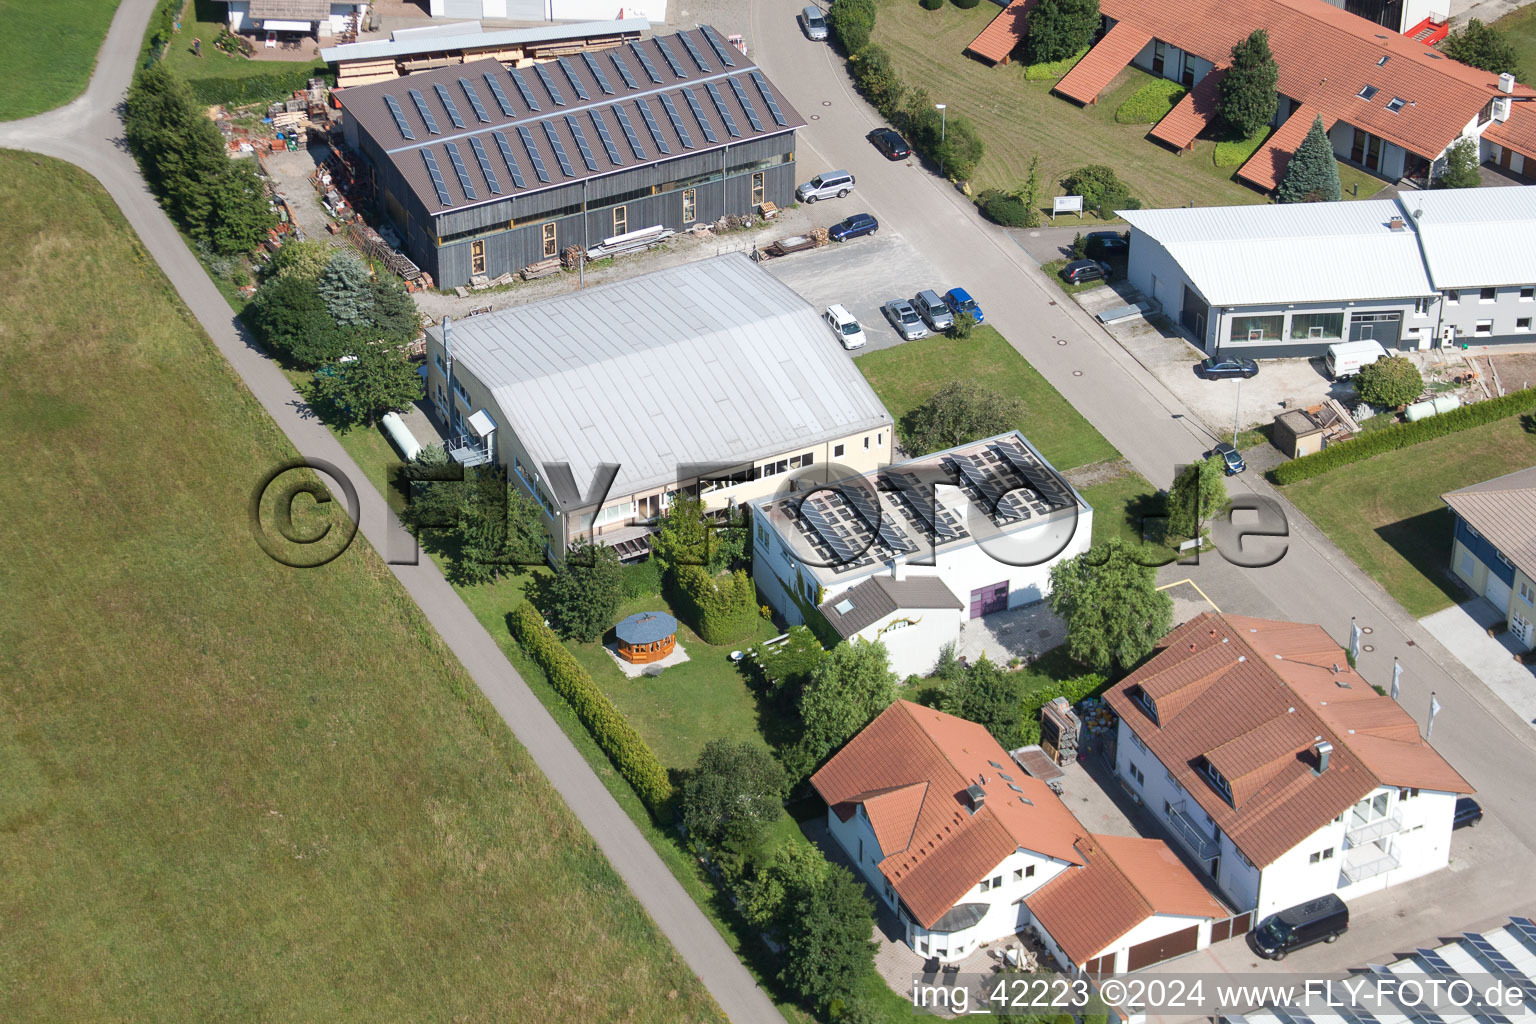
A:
[485,169]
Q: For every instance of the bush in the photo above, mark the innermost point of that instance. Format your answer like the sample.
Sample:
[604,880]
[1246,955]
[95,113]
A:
[1235,152]
[876,77]
[966,5]
[1151,102]
[584,591]
[1050,70]
[1002,208]
[961,150]
[640,579]
[1058,28]
[930,5]
[290,318]
[958,413]
[1389,382]
[612,732]
[722,609]
[851,22]
[731,795]
[1102,190]
[235,92]
[1460,169]
[1403,435]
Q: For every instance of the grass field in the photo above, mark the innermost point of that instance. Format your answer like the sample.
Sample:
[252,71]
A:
[232,789]
[1386,512]
[905,376]
[1520,27]
[47,52]
[204,19]
[1121,505]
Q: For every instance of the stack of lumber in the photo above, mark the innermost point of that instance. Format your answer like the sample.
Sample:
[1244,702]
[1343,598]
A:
[543,268]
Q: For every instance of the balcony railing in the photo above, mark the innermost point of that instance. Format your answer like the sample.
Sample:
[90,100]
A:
[1360,832]
[468,450]
[1368,864]
[1191,835]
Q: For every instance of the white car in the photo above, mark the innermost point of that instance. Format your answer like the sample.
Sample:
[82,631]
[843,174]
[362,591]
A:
[844,326]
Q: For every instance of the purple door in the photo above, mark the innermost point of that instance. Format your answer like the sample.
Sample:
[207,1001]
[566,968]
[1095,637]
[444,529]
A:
[989,599]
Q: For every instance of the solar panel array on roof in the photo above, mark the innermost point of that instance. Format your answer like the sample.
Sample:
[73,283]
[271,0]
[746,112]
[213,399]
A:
[1356,1016]
[670,57]
[746,104]
[655,129]
[581,143]
[1413,1013]
[570,74]
[920,497]
[725,111]
[448,104]
[425,111]
[1436,964]
[830,534]
[601,124]
[501,97]
[677,120]
[597,72]
[474,99]
[721,51]
[549,84]
[629,132]
[1525,931]
[485,165]
[693,51]
[1494,957]
[623,69]
[506,154]
[773,104]
[457,159]
[399,116]
[522,87]
[645,62]
[559,148]
[533,153]
[1046,484]
[437,178]
[698,113]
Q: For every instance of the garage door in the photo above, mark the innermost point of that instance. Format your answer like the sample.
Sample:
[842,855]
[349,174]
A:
[1167,947]
[1497,592]
[986,600]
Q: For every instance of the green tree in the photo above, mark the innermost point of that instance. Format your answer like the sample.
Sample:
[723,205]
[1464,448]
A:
[1247,97]
[290,318]
[845,692]
[765,895]
[1003,208]
[1114,612]
[584,591]
[688,535]
[1029,194]
[305,260]
[1389,382]
[732,794]
[346,288]
[377,380]
[990,696]
[789,663]
[721,609]
[393,315]
[239,215]
[1079,246]
[962,326]
[961,149]
[1312,176]
[877,78]
[1102,190]
[827,945]
[959,412]
[1460,169]
[500,528]
[1484,47]
[1060,28]
[851,21]
[1198,494]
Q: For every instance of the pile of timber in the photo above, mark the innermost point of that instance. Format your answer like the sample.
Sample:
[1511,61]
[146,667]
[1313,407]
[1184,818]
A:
[543,268]
[371,245]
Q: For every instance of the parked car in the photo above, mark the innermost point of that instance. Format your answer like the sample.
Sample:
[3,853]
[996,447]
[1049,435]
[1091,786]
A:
[815,24]
[1079,271]
[1321,920]
[1231,458]
[853,227]
[1107,246]
[933,310]
[1467,813]
[889,142]
[847,329]
[959,301]
[904,318]
[825,186]
[1217,368]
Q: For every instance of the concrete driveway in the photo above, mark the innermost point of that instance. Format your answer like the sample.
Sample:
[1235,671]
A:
[1464,630]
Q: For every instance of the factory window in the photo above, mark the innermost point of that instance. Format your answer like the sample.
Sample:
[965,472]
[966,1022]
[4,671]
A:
[1523,324]
[551,246]
[1487,294]
[1258,328]
[621,220]
[1527,293]
[477,257]
[837,451]
[690,205]
[1317,325]
[757,188]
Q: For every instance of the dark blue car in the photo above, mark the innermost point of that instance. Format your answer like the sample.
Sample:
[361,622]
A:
[853,227]
[959,301]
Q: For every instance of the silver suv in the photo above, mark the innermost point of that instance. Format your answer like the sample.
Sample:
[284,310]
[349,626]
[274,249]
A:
[825,186]
[934,310]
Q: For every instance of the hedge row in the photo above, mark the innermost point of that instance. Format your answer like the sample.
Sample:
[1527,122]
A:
[613,733]
[723,610]
[1403,435]
[237,92]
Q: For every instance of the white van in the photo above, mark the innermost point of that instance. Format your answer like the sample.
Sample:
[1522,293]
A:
[844,326]
[1346,358]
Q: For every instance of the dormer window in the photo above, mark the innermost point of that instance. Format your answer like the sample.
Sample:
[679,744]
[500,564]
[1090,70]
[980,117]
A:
[1218,780]
[1144,701]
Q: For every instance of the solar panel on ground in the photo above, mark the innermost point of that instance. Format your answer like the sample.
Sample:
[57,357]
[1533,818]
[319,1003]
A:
[623,70]
[655,129]
[474,99]
[581,143]
[437,178]
[645,62]
[597,72]
[522,87]
[677,120]
[601,124]
[457,159]
[721,51]
[746,104]
[399,116]
[629,132]
[449,105]
[549,84]
[506,154]
[699,115]
[725,111]
[533,153]
[425,111]
[501,97]
[670,57]
[559,148]
[773,104]
[829,533]
[570,74]
[485,165]
[693,51]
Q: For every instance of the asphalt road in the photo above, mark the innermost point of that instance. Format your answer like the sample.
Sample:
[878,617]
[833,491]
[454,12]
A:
[88,133]
[1312,582]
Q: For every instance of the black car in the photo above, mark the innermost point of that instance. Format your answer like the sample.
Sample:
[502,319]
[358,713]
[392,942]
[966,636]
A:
[1231,460]
[1467,813]
[853,227]
[1079,271]
[890,143]
[1228,366]
[1107,246]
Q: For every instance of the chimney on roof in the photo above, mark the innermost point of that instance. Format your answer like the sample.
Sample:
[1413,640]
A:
[898,569]
[977,797]
[1396,223]
[1506,83]
[1324,749]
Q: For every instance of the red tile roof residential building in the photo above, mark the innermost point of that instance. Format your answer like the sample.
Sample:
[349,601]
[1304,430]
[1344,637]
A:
[1003,33]
[1518,133]
[1107,59]
[1191,115]
[1266,168]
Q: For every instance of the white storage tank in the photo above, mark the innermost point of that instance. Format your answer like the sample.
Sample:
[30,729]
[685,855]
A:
[401,434]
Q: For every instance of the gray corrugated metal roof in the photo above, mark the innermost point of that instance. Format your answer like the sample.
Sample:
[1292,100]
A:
[1477,237]
[713,361]
[879,596]
[290,10]
[438,38]
[1299,252]
[1504,511]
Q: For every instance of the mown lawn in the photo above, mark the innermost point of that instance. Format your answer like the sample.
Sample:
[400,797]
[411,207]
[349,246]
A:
[1124,507]
[1520,27]
[231,789]
[1386,512]
[204,19]
[47,52]
[906,376]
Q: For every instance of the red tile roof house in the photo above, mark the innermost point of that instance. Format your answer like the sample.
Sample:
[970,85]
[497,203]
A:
[966,849]
[1279,767]
[1392,105]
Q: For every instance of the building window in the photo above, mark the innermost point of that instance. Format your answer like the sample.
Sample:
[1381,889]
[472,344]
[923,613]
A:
[1503,559]
[837,451]
[997,881]
[861,851]
[1367,92]
[757,189]
[1139,744]
[1018,874]
[1141,780]
[690,205]
[1523,323]
[1527,293]
[621,220]
[1407,794]
[1484,329]
[986,885]
[1395,104]
[1321,856]
[1487,294]
[1527,593]
[879,439]
[1452,296]
[866,442]
[1258,328]
[1029,872]
[1218,780]
[551,246]
[1317,325]
[1144,701]
[1421,307]
[1467,568]
[477,257]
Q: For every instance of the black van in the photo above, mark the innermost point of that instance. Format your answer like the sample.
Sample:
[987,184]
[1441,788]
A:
[1320,920]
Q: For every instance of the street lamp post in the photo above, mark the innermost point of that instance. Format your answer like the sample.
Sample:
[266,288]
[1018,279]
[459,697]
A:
[1237,411]
[943,132]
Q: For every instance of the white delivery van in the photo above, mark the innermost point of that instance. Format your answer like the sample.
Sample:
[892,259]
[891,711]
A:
[1346,358]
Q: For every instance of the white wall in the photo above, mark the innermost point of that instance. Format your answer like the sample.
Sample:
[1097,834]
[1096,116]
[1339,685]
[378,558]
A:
[1503,313]
[654,11]
[1154,927]
[914,647]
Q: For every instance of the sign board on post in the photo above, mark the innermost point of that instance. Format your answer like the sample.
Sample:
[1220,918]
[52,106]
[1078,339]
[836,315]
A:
[1067,204]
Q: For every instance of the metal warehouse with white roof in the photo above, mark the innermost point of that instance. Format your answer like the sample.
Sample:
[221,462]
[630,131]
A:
[1426,269]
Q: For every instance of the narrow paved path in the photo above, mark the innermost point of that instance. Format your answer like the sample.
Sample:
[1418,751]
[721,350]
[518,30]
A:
[88,133]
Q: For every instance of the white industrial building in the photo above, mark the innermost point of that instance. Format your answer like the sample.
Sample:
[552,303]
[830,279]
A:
[907,553]
[1427,269]
[1278,767]
[321,19]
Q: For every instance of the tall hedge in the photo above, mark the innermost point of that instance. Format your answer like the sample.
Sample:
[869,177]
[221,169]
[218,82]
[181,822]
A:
[275,85]
[612,731]
[1403,435]
[723,609]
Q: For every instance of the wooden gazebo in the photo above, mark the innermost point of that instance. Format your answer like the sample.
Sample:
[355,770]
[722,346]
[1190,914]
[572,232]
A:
[646,637]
